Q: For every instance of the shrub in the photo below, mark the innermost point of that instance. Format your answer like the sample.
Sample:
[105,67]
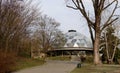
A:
[89,59]
[24,53]
[7,61]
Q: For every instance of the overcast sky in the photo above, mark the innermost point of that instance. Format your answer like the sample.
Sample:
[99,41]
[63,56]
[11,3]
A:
[69,19]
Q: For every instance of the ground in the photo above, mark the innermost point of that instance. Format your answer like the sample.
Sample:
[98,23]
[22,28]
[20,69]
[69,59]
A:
[23,63]
[105,68]
[52,67]
[57,66]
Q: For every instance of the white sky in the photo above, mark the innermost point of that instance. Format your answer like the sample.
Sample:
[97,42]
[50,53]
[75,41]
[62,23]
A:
[69,18]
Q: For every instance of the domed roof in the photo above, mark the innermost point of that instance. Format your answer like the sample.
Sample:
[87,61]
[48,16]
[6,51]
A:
[75,39]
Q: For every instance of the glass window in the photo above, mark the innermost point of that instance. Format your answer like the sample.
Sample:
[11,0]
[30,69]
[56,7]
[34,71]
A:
[73,41]
[70,37]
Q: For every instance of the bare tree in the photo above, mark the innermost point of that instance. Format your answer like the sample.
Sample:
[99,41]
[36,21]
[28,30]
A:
[47,35]
[95,25]
[15,18]
[111,43]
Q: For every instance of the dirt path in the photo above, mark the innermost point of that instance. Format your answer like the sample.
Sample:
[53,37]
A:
[52,67]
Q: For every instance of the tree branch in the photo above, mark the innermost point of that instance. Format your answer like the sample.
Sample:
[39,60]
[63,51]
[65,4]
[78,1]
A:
[71,7]
[106,41]
[75,3]
[101,5]
[80,6]
[84,13]
[116,42]
[110,4]
[109,21]
[91,34]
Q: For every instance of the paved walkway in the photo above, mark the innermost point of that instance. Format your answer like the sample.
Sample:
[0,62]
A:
[52,67]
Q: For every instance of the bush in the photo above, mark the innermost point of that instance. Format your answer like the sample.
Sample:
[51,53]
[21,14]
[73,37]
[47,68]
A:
[7,61]
[89,59]
[24,53]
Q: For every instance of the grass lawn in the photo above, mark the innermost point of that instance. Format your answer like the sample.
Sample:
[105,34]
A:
[27,63]
[61,58]
[89,68]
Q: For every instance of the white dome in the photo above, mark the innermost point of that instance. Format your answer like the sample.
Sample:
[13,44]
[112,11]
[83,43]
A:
[75,39]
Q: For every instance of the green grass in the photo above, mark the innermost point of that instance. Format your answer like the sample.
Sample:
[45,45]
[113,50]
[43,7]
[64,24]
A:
[27,63]
[89,68]
[61,58]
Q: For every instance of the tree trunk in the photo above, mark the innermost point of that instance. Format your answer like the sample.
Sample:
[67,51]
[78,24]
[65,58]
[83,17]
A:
[97,60]
[96,49]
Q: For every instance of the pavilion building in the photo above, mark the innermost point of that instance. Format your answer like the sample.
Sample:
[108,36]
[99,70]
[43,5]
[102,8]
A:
[76,43]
